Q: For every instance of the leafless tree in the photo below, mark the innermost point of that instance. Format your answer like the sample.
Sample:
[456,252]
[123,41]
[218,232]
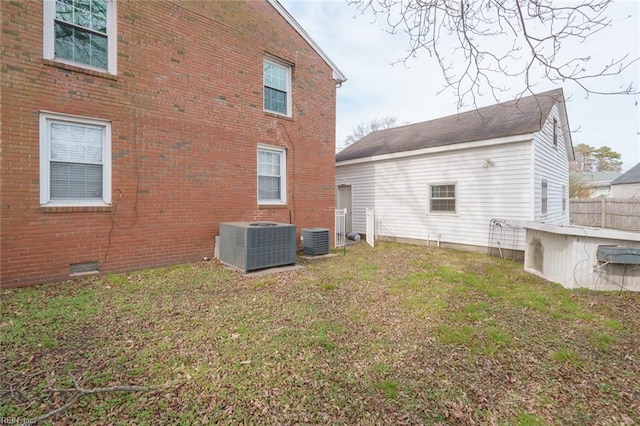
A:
[480,42]
[576,186]
[584,161]
[364,128]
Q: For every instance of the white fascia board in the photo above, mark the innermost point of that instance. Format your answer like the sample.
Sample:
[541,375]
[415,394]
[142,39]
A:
[439,149]
[337,74]
[568,143]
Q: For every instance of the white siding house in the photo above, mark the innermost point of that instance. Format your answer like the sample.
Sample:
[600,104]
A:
[452,176]
[627,185]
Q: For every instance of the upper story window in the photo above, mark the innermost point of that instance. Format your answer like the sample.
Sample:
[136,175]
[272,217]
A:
[75,161]
[81,32]
[443,198]
[277,87]
[544,197]
[555,132]
[272,172]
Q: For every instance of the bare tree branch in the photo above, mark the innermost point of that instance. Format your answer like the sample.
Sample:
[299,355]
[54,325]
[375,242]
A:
[79,392]
[478,42]
[363,129]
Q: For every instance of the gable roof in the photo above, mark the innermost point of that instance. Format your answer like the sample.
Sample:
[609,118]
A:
[338,76]
[596,179]
[517,117]
[630,176]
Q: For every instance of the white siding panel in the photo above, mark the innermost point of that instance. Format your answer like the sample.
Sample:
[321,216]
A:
[629,190]
[551,163]
[360,178]
[399,191]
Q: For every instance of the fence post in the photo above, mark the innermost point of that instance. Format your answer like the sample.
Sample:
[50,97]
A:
[603,219]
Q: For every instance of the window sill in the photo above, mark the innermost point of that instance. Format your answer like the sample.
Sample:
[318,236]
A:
[76,68]
[74,209]
[272,206]
[276,115]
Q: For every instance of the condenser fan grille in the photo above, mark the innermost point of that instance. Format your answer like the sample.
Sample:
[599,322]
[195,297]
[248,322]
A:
[249,246]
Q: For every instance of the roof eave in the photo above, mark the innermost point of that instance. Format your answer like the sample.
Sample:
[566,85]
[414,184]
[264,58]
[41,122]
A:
[338,76]
[568,142]
[437,149]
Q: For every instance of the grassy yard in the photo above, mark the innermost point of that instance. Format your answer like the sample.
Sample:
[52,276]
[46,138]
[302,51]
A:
[398,334]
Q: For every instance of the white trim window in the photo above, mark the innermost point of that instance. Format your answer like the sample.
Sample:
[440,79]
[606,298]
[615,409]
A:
[81,32]
[277,87]
[272,175]
[75,161]
[442,198]
[544,197]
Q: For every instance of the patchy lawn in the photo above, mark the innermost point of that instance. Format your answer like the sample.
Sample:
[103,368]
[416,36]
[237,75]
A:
[396,334]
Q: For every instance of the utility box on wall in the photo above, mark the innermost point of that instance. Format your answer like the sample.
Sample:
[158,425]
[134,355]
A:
[619,255]
[249,246]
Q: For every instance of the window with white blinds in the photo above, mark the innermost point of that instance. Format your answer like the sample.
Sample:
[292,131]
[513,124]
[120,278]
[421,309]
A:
[271,175]
[76,161]
[75,156]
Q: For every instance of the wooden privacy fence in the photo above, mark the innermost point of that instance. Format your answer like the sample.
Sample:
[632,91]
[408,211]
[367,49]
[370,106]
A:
[612,213]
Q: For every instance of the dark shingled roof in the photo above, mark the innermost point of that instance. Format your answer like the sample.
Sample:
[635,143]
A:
[630,176]
[517,117]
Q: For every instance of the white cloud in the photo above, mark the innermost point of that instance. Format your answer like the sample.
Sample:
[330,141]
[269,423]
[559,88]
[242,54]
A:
[376,88]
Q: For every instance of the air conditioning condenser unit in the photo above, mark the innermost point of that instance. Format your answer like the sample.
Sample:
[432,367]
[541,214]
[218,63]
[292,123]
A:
[315,241]
[249,246]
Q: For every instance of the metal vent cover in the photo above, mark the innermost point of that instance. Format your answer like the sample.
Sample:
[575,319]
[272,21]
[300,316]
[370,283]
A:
[249,246]
[315,241]
[84,268]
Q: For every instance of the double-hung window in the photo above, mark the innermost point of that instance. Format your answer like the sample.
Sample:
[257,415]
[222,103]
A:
[272,172]
[81,32]
[75,161]
[544,196]
[443,198]
[277,87]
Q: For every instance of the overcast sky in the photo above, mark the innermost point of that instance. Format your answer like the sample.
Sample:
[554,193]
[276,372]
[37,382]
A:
[365,53]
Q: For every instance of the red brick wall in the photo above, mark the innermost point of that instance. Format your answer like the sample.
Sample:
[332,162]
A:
[186,113]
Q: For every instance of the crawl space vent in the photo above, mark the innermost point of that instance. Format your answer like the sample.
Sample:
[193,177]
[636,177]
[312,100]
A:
[83,268]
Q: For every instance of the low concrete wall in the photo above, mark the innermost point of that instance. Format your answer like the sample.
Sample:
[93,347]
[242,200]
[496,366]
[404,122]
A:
[568,255]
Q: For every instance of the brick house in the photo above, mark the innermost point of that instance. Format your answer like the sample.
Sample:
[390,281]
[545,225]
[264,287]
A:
[131,129]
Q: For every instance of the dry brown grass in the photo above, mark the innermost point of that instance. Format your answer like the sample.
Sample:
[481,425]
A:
[398,334]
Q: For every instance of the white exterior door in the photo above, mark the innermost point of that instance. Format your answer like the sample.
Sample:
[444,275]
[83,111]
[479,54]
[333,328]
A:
[344,202]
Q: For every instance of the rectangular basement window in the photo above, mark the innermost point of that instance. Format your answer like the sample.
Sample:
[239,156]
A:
[85,268]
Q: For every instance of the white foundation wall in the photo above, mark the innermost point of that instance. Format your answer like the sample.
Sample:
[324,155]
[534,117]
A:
[568,255]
